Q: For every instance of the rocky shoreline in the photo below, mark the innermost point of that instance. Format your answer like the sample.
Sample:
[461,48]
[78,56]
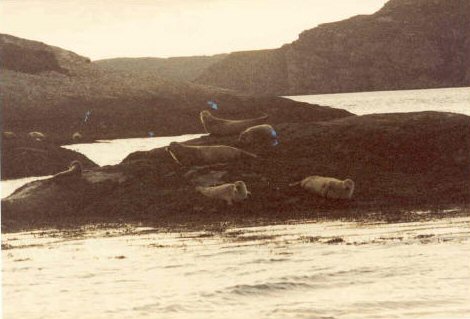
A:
[400,163]
[23,156]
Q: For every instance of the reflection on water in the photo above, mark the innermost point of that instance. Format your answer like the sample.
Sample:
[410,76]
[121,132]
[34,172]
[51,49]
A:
[103,153]
[308,270]
[111,152]
[455,100]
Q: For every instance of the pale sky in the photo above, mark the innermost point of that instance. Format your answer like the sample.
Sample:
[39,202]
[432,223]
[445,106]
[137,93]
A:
[163,28]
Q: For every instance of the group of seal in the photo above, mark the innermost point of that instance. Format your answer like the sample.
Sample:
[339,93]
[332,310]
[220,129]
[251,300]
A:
[38,136]
[251,132]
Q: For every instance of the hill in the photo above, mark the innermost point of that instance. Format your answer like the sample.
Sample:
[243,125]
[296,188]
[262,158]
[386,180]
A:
[58,92]
[408,44]
[177,68]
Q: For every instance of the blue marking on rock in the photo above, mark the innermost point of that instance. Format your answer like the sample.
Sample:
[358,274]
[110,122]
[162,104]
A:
[213,105]
[273,133]
[87,115]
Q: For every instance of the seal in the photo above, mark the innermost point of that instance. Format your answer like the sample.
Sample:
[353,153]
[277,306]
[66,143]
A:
[327,187]
[76,136]
[230,192]
[258,135]
[74,171]
[38,136]
[220,127]
[8,135]
[188,155]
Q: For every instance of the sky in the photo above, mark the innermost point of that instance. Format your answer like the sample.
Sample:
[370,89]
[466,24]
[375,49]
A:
[162,28]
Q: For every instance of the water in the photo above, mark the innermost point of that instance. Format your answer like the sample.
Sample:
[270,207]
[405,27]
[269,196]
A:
[455,100]
[7,187]
[307,270]
[112,152]
[103,152]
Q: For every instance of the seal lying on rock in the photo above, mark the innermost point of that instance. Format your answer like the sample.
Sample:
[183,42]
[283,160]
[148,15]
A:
[205,155]
[327,187]
[38,136]
[231,192]
[76,136]
[74,171]
[9,135]
[217,126]
[258,135]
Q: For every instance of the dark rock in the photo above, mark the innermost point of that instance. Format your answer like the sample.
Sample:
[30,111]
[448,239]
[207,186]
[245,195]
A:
[336,240]
[399,162]
[24,157]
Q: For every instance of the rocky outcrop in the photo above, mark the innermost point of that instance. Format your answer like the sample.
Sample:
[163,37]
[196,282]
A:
[397,161]
[408,44]
[104,104]
[24,157]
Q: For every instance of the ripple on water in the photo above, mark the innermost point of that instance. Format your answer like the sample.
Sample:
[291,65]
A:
[284,271]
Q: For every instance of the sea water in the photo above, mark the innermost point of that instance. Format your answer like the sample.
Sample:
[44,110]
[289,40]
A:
[306,270]
[456,100]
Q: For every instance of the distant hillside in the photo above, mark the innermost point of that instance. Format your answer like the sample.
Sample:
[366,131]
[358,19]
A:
[55,91]
[35,57]
[407,44]
[178,68]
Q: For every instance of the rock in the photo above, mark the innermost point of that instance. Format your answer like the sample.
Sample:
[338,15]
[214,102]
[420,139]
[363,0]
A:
[398,161]
[24,157]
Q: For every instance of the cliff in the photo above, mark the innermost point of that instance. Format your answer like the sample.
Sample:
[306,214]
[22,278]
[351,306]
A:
[408,44]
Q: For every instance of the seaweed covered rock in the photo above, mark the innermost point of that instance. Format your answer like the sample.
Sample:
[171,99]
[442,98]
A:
[397,161]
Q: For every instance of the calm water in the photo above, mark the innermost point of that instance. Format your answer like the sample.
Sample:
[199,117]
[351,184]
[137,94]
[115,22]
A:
[111,152]
[308,270]
[7,187]
[455,100]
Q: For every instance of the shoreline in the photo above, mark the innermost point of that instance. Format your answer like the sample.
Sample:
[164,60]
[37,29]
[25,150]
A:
[223,222]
